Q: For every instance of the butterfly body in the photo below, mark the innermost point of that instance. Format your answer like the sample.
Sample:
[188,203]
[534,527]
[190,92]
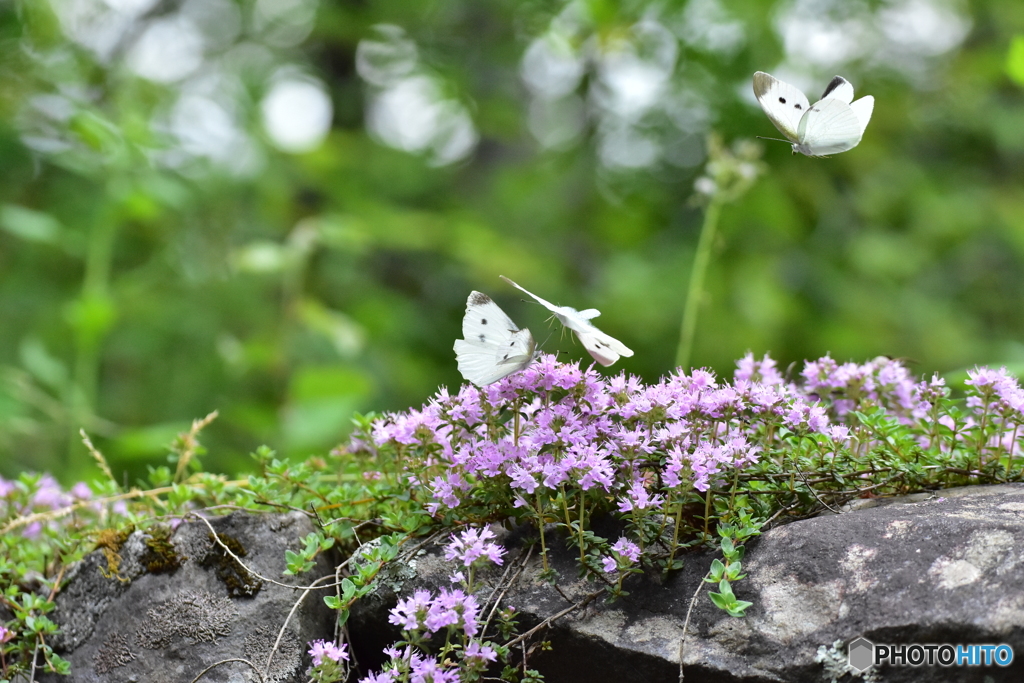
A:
[604,348]
[494,347]
[833,124]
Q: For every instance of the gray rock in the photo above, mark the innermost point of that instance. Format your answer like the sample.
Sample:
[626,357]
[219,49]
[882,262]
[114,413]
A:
[945,568]
[161,612]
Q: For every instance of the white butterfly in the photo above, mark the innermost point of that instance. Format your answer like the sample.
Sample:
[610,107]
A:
[493,347]
[605,349]
[834,124]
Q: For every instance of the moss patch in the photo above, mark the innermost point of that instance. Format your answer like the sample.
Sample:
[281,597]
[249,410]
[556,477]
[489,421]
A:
[110,541]
[160,556]
[240,581]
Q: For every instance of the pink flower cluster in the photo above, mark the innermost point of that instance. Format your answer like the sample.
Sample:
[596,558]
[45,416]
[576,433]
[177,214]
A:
[625,553]
[321,650]
[579,429]
[473,547]
[39,493]
[572,428]
[424,612]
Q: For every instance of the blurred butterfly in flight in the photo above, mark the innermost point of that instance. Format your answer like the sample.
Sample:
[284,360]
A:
[605,349]
[833,124]
[494,347]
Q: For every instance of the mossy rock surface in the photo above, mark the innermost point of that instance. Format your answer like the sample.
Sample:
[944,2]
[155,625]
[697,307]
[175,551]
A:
[158,606]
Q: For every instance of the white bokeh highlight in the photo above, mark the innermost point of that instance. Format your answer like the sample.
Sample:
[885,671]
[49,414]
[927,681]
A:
[297,114]
[167,51]
[407,108]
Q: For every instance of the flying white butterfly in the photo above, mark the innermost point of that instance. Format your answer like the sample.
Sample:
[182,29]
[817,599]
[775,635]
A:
[833,124]
[493,347]
[605,349]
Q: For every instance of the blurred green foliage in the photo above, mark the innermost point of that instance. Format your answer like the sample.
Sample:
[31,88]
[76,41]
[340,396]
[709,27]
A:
[181,229]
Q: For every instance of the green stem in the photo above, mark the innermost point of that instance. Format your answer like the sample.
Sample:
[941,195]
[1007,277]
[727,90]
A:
[583,559]
[695,293]
[81,396]
[675,537]
[540,528]
[707,510]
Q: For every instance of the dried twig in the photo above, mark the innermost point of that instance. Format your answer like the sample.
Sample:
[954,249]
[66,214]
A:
[547,622]
[506,586]
[267,579]
[228,661]
[191,443]
[686,623]
[98,457]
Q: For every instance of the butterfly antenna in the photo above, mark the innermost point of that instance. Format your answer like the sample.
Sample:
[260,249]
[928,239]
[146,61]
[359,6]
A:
[761,137]
[547,339]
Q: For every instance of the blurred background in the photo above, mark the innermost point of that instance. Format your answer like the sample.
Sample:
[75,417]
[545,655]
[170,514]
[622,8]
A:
[277,208]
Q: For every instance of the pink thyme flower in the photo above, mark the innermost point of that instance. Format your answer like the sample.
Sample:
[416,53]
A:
[473,545]
[480,653]
[321,649]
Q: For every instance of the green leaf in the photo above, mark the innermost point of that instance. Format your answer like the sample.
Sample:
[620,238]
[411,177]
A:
[348,589]
[738,608]
[31,225]
[1015,60]
[721,602]
[716,572]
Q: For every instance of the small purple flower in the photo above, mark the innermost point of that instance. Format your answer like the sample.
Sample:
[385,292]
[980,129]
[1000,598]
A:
[839,432]
[472,545]
[627,549]
[49,494]
[480,653]
[625,553]
[638,498]
[5,634]
[321,649]
[411,612]
[429,670]
[385,676]
[81,491]
[453,608]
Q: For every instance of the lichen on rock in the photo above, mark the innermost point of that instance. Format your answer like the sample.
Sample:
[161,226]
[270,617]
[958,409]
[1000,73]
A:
[196,616]
[113,653]
[287,659]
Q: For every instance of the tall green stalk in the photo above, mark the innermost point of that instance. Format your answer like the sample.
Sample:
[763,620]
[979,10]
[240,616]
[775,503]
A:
[93,315]
[729,173]
[695,293]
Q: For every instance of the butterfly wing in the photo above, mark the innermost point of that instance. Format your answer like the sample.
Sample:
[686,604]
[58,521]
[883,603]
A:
[557,310]
[567,315]
[829,127]
[840,89]
[783,103]
[494,347]
[604,348]
[863,108]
